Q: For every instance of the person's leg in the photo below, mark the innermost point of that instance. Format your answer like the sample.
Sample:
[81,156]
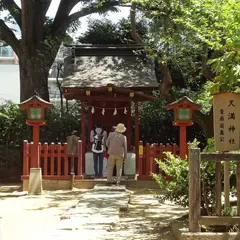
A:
[101,156]
[110,166]
[95,162]
[119,167]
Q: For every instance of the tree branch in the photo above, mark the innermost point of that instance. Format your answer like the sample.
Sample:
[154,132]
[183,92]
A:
[167,80]
[134,33]
[64,23]
[44,7]
[63,11]
[14,10]
[8,36]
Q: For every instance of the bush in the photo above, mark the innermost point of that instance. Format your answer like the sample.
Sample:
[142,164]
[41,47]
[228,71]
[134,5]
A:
[177,188]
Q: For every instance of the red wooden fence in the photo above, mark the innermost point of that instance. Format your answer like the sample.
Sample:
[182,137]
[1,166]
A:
[146,163]
[54,161]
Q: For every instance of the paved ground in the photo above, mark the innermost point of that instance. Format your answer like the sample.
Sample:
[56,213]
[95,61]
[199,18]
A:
[38,217]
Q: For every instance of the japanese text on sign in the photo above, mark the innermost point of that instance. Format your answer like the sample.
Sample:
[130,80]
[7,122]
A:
[226,109]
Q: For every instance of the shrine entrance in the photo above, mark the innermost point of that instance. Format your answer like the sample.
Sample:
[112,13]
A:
[110,105]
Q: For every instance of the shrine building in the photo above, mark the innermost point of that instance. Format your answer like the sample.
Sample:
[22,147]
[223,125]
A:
[109,81]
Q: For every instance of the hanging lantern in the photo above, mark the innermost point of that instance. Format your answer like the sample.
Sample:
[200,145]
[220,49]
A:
[88,92]
[115,112]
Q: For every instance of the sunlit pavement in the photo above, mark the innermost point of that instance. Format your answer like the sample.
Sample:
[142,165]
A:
[96,215]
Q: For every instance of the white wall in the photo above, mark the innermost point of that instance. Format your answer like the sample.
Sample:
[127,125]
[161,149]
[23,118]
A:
[9,82]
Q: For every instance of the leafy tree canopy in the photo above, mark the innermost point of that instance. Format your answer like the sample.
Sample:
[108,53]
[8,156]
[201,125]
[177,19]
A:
[206,28]
[105,31]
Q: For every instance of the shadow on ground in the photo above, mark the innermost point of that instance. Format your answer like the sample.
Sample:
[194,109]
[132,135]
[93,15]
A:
[146,218]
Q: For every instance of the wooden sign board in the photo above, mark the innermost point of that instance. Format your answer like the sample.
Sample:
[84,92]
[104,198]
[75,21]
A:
[72,144]
[226,112]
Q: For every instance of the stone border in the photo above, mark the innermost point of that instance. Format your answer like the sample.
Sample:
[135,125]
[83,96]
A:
[181,232]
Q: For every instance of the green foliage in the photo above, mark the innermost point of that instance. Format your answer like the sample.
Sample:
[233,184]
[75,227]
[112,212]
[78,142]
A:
[177,189]
[210,145]
[199,38]
[216,24]
[156,123]
[229,212]
[193,144]
[104,31]
[13,128]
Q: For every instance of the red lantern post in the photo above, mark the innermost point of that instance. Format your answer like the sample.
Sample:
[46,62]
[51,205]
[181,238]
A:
[35,108]
[183,110]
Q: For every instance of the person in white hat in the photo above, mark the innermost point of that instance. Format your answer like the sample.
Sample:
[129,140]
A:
[117,150]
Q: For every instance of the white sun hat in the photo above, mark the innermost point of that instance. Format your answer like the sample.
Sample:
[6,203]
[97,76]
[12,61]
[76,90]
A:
[120,128]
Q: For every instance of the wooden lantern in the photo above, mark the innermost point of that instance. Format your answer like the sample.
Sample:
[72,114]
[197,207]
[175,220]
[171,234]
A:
[183,113]
[35,108]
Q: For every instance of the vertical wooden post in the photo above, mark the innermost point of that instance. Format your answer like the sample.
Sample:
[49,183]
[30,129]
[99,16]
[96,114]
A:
[35,158]
[147,164]
[183,141]
[136,135]
[238,188]
[25,158]
[218,194]
[129,127]
[59,148]
[45,159]
[79,171]
[194,190]
[152,151]
[140,156]
[52,147]
[83,133]
[226,184]
[155,155]
[30,154]
[175,148]
[65,160]
[90,125]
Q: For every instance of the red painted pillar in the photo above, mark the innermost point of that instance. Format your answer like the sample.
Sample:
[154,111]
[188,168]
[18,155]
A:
[83,133]
[79,171]
[90,126]
[183,141]
[147,161]
[137,135]
[140,157]
[25,158]
[35,150]
[129,130]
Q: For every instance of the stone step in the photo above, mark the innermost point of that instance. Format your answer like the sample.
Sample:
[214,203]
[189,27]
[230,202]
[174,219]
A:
[112,188]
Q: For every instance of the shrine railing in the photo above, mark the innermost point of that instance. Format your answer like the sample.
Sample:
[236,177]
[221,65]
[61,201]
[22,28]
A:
[146,162]
[54,161]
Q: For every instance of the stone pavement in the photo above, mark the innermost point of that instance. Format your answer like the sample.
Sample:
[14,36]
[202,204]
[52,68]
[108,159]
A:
[23,216]
[102,213]
[92,218]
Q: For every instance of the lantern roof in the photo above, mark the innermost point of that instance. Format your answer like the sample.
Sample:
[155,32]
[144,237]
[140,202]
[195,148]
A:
[184,102]
[35,101]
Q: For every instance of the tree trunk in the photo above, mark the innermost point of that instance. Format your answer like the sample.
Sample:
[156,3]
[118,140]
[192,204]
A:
[33,77]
